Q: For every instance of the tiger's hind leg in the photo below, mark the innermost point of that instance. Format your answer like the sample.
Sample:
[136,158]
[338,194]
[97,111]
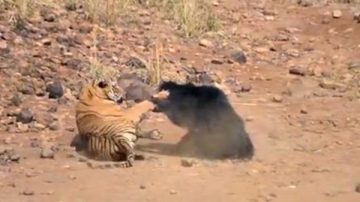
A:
[125,146]
[104,153]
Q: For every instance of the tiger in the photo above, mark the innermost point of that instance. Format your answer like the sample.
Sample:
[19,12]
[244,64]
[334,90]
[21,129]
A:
[108,132]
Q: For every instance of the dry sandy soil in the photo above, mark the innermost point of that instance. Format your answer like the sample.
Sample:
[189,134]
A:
[305,128]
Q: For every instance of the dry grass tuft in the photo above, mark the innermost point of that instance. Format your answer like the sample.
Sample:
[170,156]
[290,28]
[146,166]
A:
[154,67]
[193,17]
[105,12]
[97,70]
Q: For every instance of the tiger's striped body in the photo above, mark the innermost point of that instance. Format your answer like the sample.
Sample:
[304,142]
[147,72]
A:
[107,131]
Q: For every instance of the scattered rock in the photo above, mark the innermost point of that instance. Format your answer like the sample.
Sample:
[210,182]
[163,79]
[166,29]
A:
[3,45]
[293,53]
[46,41]
[188,162]
[329,84]
[303,110]
[204,78]
[298,70]
[72,177]
[2,150]
[142,186]
[39,126]
[206,43]
[70,129]
[22,127]
[239,57]
[357,17]
[75,64]
[217,61]
[70,5]
[245,87]
[53,109]
[249,119]
[282,37]
[27,89]
[172,192]
[16,100]
[269,18]
[14,157]
[27,192]
[337,13]
[354,64]
[55,90]
[85,29]
[306,3]
[44,118]
[25,116]
[136,63]
[47,153]
[277,98]
[54,126]
[357,188]
[47,15]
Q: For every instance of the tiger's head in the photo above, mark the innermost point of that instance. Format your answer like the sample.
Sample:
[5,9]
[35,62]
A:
[102,89]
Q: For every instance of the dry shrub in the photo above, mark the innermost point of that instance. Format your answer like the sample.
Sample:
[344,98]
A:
[105,11]
[193,17]
[97,70]
[154,68]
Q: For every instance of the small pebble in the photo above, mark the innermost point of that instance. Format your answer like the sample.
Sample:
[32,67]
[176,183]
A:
[142,186]
[217,61]
[25,116]
[39,126]
[54,126]
[357,188]
[277,98]
[303,110]
[298,70]
[239,57]
[357,17]
[206,43]
[188,162]
[55,90]
[72,177]
[27,193]
[16,99]
[245,87]
[15,157]
[329,84]
[172,192]
[336,13]
[47,153]
[2,150]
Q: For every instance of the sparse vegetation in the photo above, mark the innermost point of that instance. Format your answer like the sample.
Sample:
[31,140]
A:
[195,16]
[97,70]
[106,12]
[192,17]
[154,67]
[24,8]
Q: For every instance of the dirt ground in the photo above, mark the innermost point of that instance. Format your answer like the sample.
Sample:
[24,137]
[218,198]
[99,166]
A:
[305,128]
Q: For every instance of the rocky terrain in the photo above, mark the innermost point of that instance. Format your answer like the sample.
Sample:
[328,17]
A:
[290,69]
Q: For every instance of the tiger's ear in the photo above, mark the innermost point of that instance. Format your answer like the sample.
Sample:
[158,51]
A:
[85,93]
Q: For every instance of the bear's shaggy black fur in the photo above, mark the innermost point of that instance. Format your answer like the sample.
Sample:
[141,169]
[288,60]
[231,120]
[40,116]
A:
[214,129]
